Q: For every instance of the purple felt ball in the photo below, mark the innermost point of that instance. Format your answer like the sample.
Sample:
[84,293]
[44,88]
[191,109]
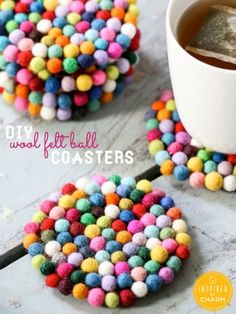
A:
[163,221]
[109,283]
[180,158]
[183,138]
[166,274]
[49,100]
[130,249]
[166,126]
[75,259]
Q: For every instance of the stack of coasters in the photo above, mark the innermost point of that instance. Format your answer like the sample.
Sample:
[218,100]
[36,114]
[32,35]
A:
[177,153]
[62,58]
[110,240]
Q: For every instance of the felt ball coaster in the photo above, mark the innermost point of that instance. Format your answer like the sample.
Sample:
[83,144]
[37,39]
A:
[110,240]
[62,58]
[177,153]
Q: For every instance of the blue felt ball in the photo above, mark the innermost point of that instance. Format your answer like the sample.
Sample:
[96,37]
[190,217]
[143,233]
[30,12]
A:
[124,281]
[35,249]
[87,252]
[167,202]
[91,35]
[126,216]
[168,138]
[108,234]
[64,101]
[218,157]
[102,256]
[123,190]
[59,22]
[113,246]
[93,280]
[151,114]
[4,42]
[120,87]
[81,241]
[62,225]
[88,16]
[175,116]
[181,173]
[36,7]
[12,69]
[64,237]
[95,92]
[154,282]
[86,61]
[129,181]
[101,44]
[98,24]
[161,156]
[6,15]
[52,85]
[123,40]
[97,199]
[20,17]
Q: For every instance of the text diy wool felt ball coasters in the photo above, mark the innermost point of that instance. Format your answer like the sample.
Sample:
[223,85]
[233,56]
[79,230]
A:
[110,240]
[62,58]
[177,153]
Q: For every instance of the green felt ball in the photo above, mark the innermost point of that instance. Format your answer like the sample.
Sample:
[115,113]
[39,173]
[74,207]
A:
[48,235]
[93,105]
[77,276]
[106,5]
[47,268]
[157,210]
[234,171]
[38,260]
[87,219]
[3,62]
[152,267]
[136,195]
[37,64]
[83,205]
[35,98]
[167,233]
[112,300]
[112,72]
[55,51]
[152,231]
[152,124]
[144,253]
[104,222]
[135,261]
[174,263]
[115,179]
[70,65]
[210,166]
[11,26]
[131,56]
[108,234]
[204,155]
[34,17]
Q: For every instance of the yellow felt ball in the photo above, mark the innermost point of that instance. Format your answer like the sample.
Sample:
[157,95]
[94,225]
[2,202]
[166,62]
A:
[213,181]
[80,291]
[159,254]
[73,18]
[44,74]
[125,203]
[134,9]
[87,47]
[167,167]
[67,201]
[89,265]
[92,231]
[117,256]
[29,239]
[50,5]
[104,222]
[155,146]
[69,248]
[171,105]
[78,194]
[71,51]
[7,97]
[39,217]
[47,40]
[183,238]
[38,260]
[195,164]
[179,226]
[84,82]
[144,185]
[123,236]
[37,64]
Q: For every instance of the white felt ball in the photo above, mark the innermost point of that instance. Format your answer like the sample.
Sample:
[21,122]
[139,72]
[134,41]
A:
[152,242]
[230,183]
[109,86]
[52,247]
[65,2]
[129,30]
[44,26]
[81,183]
[195,143]
[40,50]
[77,39]
[139,238]
[106,268]
[47,113]
[62,10]
[112,211]
[3,78]
[179,225]
[139,288]
[58,258]
[108,187]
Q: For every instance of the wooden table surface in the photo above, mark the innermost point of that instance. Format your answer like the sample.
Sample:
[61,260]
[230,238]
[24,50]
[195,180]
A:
[26,178]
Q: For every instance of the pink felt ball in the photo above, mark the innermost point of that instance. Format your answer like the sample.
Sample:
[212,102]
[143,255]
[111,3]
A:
[166,95]
[115,51]
[135,226]
[80,99]
[197,180]
[154,134]
[25,44]
[225,168]
[97,244]
[16,36]
[167,275]
[148,219]
[31,227]
[82,27]
[122,267]
[10,53]
[75,259]
[183,138]
[21,104]
[57,213]
[99,179]
[121,3]
[107,34]
[27,26]
[24,76]
[174,148]
[77,7]
[72,215]
[46,206]
[159,194]
[170,245]
[96,297]
[64,269]
[98,77]
[149,200]
[139,239]
[138,274]
[68,84]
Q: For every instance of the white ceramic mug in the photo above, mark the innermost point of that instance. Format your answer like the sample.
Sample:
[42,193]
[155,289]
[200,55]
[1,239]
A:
[205,95]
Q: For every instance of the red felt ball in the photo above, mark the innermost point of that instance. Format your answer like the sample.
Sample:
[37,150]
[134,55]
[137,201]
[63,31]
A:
[130,72]
[49,15]
[139,210]
[21,8]
[232,159]
[134,44]
[104,15]
[36,84]
[179,127]
[47,224]
[68,188]
[24,58]
[182,252]
[52,280]
[127,298]
[118,225]
[76,228]
[73,215]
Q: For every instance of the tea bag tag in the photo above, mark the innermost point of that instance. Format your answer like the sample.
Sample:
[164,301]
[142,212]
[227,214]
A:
[217,36]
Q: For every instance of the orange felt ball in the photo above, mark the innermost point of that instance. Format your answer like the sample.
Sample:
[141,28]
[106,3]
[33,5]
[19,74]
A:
[106,97]
[163,114]
[118,13]
[78,194]
[158,105]
[55,32]
[87,47]
[29,239]
[34,110]
[69,248]
[22,91]
[174,213]
[112,198]
[123,236]
[167,167]
[62,41]
[54,65]
[130,18]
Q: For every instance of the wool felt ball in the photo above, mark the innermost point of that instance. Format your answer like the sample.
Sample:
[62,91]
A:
[139,238]
[112,300]
[127,298]
[96,297]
